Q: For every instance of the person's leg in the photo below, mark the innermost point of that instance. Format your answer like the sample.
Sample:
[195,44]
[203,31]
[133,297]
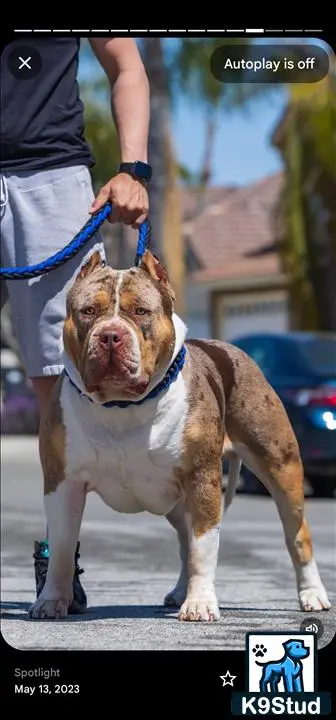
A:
[44,211]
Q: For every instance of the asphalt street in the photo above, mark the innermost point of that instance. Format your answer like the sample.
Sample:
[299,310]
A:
[131,561]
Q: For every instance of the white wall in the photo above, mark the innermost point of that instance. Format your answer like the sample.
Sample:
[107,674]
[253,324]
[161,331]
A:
[197,315]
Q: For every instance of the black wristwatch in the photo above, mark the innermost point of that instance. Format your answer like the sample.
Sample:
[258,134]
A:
[139,170]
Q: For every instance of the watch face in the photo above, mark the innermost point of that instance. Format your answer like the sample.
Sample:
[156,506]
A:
[138,169]
[142,170]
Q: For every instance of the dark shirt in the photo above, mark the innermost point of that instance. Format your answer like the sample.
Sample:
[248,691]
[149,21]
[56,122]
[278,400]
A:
[42,119]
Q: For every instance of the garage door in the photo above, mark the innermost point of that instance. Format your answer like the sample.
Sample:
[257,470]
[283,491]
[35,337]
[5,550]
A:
[257,313]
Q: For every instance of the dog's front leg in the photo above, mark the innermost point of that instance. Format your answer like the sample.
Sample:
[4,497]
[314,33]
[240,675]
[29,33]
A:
[177,518]
[203,507]
[298,683]
[288,682]
[64,510]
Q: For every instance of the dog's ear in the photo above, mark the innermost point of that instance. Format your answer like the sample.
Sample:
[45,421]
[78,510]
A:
[153,267]
[151,264]
[94,261]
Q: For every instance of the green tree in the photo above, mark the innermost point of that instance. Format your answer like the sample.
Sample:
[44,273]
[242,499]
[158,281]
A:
[190,69]
[306,214]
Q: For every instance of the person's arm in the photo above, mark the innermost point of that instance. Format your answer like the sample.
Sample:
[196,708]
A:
[121,60]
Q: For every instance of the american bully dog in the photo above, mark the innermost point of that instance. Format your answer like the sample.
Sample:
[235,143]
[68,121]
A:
[289,669]
[142,417]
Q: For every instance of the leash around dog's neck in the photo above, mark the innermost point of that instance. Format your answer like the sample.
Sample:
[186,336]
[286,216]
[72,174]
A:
[171,375]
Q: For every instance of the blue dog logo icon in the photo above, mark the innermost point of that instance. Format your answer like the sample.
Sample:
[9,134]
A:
[281,676]
[289,669]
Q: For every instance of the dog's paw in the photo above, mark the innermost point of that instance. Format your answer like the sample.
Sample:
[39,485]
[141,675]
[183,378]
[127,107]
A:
[199,610]
[49,608]
[314,598]
[176,597]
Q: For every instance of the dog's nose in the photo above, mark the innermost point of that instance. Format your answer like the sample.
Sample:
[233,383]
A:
[110,338]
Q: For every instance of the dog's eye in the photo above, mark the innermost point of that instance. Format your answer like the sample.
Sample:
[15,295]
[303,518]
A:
[89,311]
[141,311]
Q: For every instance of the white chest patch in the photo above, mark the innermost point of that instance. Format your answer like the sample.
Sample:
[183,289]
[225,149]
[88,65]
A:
[127,455]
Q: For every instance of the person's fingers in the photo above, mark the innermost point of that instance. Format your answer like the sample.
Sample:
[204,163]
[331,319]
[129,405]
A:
[101,199]
[139,220]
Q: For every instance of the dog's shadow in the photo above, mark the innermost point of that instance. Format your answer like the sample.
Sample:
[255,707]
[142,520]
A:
[19,611]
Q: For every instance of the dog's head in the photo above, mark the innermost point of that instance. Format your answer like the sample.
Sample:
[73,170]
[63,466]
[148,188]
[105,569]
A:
[119,330]
[296,649]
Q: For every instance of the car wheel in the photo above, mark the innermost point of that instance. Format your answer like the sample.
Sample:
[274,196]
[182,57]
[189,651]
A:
[323,487]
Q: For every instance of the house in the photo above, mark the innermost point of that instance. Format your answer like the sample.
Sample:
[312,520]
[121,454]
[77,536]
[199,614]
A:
[235,282]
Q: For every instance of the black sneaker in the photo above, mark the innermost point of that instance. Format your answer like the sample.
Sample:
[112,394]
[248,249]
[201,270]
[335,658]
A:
[41,557]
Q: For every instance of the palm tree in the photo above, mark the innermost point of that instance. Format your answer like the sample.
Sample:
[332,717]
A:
[191,71]
[306,211]
[165,210]
[152,53]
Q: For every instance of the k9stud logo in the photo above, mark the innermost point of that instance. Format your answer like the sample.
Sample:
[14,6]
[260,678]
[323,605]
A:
[281,672]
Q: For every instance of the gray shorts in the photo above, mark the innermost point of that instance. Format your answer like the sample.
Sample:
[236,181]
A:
[40,213]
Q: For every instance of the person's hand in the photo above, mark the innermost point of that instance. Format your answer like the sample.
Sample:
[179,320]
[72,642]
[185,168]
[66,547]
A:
[128,197]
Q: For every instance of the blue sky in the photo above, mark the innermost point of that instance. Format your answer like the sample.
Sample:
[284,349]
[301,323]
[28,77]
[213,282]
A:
[242,153]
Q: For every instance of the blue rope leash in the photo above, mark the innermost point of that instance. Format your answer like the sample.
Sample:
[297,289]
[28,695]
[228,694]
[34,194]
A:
[73,247]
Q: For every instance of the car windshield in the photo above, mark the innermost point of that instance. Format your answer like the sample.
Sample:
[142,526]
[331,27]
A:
[319,355]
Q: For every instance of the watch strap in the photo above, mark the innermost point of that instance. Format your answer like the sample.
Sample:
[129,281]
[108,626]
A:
[137,169]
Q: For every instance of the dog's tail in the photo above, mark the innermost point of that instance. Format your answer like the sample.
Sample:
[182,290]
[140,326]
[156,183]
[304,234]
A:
[233,477]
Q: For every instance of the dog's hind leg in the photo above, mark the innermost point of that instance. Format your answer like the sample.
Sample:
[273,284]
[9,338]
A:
[280,470]
[177,519]
[265,679]
[233,475]
[263,437]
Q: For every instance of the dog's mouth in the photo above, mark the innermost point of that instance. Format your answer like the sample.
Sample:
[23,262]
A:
[110,385]
[115,376]
[114,370]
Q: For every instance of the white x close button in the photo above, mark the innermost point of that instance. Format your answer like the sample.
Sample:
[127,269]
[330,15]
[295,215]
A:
[24,62]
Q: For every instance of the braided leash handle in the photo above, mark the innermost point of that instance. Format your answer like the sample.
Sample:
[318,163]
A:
[74,246]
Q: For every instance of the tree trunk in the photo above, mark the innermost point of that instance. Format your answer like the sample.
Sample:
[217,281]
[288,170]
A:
[173,244]
[301,296]
[164,210]
[205,174]
[159,122]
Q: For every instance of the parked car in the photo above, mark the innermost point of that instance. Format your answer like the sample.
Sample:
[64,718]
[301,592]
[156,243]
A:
[19,409]
[301,367]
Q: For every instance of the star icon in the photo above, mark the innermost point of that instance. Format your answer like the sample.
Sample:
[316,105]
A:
[228,679]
